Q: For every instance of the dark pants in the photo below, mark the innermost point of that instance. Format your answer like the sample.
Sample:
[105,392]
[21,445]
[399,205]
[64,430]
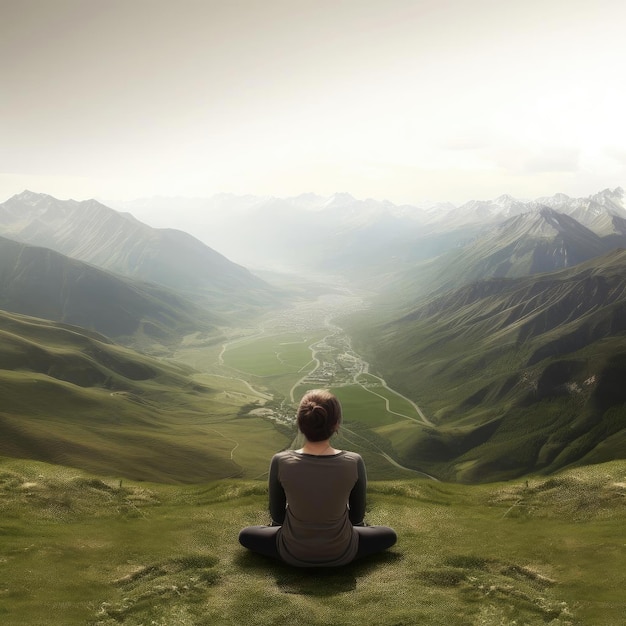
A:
[372,539]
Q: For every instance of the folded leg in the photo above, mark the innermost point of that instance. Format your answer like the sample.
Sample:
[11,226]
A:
[260,539]
[373,539]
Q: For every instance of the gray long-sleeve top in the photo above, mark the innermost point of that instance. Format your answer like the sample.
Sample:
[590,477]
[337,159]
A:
[317,500]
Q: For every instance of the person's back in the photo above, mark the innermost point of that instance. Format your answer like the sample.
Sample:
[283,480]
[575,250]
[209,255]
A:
[317,497]
[319,517]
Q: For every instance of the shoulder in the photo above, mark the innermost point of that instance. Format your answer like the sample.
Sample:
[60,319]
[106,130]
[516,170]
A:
[282,456]
[352,457]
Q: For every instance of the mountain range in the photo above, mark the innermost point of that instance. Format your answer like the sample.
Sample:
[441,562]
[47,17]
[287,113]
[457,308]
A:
[342,234]
[541,240]
[505,320]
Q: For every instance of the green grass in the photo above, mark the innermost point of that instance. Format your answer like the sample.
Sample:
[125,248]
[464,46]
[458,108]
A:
[155,432]
[79,549]
[270,356]
[397,403]
[361,406]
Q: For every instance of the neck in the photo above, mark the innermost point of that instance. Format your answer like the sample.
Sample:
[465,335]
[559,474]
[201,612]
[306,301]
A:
[318,447]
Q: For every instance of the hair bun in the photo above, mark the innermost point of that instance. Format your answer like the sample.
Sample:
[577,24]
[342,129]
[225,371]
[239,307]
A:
[318,415]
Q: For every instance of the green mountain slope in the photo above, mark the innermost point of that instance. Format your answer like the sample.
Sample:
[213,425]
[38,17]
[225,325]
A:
[73,397]
[43,283]
[518,374]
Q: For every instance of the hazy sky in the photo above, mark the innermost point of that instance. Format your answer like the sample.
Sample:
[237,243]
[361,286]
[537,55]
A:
[399,99]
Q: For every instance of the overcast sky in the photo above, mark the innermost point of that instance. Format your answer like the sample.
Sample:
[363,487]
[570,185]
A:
[405,100]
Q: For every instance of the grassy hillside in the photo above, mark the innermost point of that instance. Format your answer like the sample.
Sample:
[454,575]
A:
[75,398]
[79,549]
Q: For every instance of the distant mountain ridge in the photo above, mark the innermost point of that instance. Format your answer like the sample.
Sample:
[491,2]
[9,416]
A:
[585,210]
[96,234]
[597,212]
[238,225]
[523,245]
[531,243]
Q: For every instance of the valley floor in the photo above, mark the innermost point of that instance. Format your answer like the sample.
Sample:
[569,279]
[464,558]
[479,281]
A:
[301,348]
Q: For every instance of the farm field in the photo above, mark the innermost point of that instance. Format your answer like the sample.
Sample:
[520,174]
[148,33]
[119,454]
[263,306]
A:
[271,355]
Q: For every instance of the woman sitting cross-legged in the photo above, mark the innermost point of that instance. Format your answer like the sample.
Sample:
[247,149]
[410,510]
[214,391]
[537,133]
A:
[317,497]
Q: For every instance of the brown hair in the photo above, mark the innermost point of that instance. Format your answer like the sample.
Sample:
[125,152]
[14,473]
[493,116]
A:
[319,415]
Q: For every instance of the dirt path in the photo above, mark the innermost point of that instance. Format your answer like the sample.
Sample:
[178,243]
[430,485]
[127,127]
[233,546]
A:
[424,419]
[313,360]
[241,469]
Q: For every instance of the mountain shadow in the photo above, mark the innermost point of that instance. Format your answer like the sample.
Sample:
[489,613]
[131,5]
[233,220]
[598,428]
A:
[43,283]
